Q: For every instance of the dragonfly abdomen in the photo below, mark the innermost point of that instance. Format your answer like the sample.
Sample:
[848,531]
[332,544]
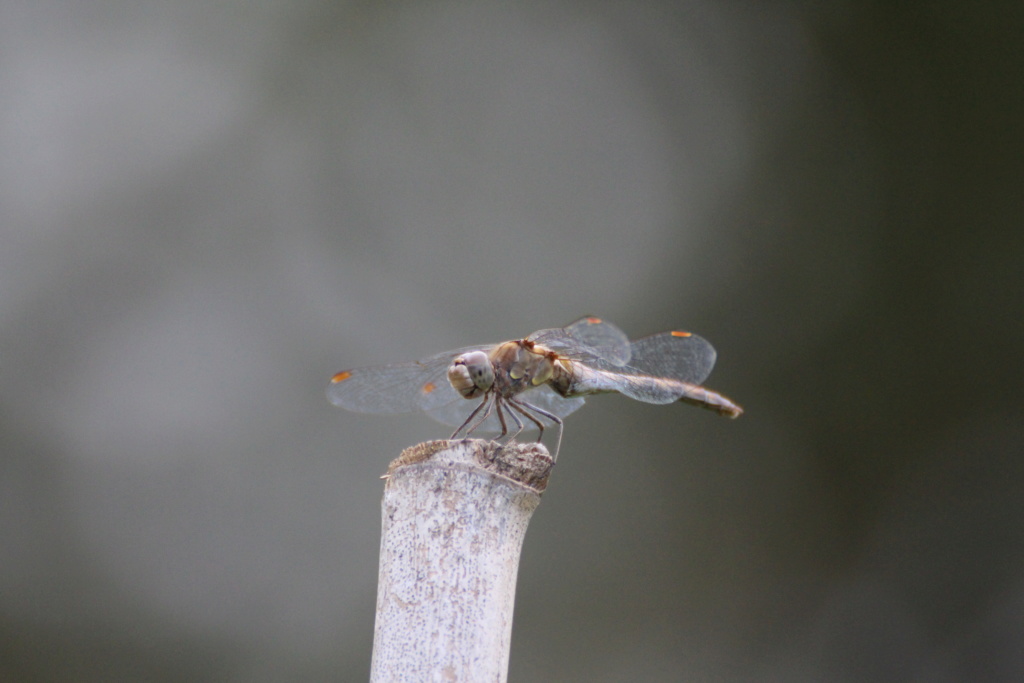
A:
[578,380]
[710,400]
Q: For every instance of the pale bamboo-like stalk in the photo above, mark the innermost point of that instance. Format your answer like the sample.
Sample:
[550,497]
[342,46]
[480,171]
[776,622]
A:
[454,517]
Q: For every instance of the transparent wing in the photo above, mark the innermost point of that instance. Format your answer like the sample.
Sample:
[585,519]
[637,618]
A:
[663,368]
[398,387]
[456,412]
[589,339]
[676,355]
[638,387]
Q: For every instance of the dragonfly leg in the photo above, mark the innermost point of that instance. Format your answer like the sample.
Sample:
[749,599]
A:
[489,402]
[524,407]
[487,413]
[513,409]
[501,418]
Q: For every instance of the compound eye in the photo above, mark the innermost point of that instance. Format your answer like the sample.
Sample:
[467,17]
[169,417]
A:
[471,374]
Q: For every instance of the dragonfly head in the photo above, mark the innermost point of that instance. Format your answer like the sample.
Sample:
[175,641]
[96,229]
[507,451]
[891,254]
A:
[471,374]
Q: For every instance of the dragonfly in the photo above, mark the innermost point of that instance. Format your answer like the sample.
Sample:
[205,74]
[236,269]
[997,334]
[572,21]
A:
[535,382]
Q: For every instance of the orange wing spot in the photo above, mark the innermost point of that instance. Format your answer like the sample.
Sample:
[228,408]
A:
[594,321]
[428,388]
[341,377]
[676,333]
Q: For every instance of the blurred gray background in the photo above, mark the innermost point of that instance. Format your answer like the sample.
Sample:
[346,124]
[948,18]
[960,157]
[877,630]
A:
[208,208]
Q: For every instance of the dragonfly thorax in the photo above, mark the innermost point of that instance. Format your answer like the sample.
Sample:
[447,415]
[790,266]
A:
[520,365]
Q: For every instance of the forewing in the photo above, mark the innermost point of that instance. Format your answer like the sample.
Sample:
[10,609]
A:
[396,388]
[589,339]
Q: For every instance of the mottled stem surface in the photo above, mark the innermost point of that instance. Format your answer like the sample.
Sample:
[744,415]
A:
[454,517]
